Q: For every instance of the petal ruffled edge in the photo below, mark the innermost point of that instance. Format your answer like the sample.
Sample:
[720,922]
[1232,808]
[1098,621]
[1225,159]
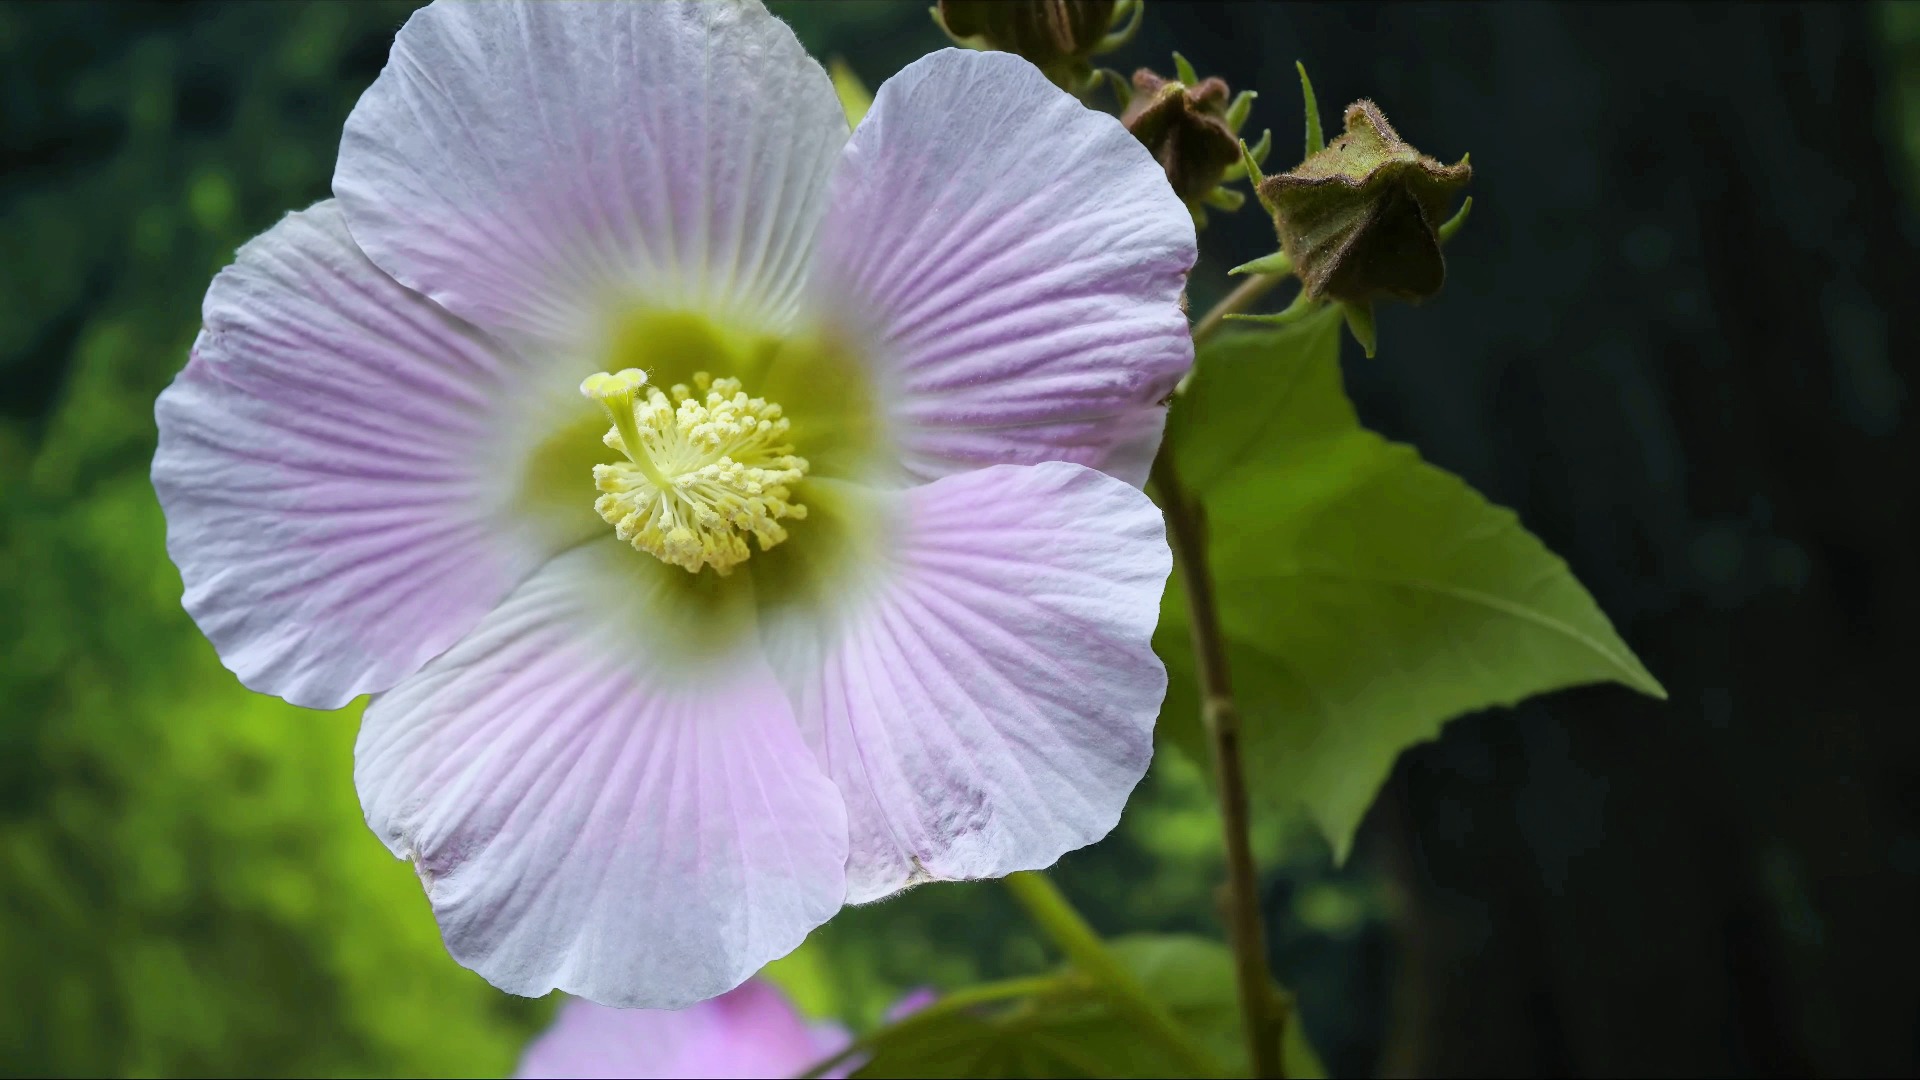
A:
[322,467]
[531,165]
[1015,262]
[596,807]
[989,704]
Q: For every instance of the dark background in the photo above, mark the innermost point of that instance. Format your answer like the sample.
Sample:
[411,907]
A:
[1678,337]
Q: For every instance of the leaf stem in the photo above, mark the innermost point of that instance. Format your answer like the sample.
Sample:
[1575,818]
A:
[1057,918]
[945,1006]
[1187,535]
[1238,300]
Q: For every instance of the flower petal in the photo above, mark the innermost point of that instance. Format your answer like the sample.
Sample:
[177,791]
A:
[989,706]
[596,805]
[751,1031]
[326,469]
[1016,261]
[525,164]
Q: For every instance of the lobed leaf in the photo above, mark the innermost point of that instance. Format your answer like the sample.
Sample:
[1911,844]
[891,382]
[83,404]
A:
[1368,596]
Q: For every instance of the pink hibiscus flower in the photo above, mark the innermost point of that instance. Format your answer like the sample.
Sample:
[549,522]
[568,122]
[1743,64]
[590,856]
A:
[841,581]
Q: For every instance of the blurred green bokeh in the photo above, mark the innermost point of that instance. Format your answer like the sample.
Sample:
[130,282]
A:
[185,884]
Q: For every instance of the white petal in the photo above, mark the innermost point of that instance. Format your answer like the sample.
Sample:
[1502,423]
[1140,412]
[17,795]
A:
[327,469]
[1016,261]
[989,704]
[596,805]
[526,164]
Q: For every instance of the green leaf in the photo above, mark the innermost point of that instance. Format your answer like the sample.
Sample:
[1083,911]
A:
[1194,978]
[1070,1029]
[1368,597]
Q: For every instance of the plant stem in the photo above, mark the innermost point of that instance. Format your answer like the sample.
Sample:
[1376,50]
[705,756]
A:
[1187,535]
[1233,303]
[1057,918]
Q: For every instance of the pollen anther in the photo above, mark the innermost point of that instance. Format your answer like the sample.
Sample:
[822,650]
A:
[705,466]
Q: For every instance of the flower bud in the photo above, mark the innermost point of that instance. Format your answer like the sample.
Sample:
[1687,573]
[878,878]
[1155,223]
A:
[1056,36]
[1187,128]
[1361,218]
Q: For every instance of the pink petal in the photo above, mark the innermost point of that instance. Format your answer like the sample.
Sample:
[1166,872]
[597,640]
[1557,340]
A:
[527,164]
[751,1031]
[990,704]
[601,795]
[1016,260]
[325,468]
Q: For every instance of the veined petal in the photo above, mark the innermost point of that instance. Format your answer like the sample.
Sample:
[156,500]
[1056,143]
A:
[527,164]
[326,467]
[990,704]
[1016,260]
[597,806]
[751,1031]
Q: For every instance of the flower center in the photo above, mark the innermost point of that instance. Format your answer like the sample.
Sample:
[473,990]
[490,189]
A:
[706,465]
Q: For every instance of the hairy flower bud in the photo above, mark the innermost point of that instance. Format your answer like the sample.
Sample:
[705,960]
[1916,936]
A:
[1187,128]
[1056,36]
[1360,219]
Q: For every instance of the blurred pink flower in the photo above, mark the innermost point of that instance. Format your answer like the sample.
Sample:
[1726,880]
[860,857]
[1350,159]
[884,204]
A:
[750,1031]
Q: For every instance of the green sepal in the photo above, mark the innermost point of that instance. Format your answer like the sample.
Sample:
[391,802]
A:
[1225,199]
[1359,318]
[1131,11]
[1459,219]
[1183,70]
[1262,148]
[1276,263]
[1316,139]
[1250,167]
[1259,155]
[1241,108]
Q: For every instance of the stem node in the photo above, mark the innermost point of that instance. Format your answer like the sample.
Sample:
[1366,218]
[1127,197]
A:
[1187,535]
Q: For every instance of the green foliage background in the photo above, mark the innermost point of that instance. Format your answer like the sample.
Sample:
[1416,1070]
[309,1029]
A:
[185,885]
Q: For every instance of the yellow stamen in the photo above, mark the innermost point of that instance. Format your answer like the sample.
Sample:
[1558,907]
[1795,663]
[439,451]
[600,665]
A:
[703,469]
